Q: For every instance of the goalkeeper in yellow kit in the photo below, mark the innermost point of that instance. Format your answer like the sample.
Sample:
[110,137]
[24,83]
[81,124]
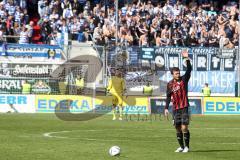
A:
[116,86]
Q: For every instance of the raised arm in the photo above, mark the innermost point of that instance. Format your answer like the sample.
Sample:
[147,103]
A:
[189,69]
[189,66]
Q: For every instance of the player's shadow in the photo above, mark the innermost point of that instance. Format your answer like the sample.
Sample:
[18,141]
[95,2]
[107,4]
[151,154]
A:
[216,150]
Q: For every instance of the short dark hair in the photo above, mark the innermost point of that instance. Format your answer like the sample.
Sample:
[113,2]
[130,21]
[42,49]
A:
[174,69]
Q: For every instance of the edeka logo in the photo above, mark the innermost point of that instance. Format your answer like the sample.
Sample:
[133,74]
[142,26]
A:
[74,104]
[221,105]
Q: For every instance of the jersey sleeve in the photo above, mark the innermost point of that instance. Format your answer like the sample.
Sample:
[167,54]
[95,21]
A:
[168,96]
[187,74]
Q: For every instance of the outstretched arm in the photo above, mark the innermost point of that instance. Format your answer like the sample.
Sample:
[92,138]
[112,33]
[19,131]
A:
[189,69]
[189,66]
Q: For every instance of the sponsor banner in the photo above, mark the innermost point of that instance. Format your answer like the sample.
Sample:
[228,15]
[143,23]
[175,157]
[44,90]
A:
[131,104]
[30,69]
[17,103]
[219,81]
[80,104]
[37,86]
[221,105]
[26,70]
[63,103]
[147,55]
[31,51]
[40,87]
[158,104]
[10,85]
[226,52]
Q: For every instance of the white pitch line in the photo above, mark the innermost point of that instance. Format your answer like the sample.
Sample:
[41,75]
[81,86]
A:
[50,135]
[136,129]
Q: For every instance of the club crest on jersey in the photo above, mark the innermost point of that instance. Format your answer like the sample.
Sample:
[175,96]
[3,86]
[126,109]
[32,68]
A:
[175,89]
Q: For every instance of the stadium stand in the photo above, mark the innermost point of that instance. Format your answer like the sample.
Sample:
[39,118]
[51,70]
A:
[141,22]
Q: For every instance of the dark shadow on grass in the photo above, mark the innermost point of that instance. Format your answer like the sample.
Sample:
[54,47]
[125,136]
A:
[62,111]
[217,150]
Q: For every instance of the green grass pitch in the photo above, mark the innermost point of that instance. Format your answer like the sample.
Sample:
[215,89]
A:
[43,136]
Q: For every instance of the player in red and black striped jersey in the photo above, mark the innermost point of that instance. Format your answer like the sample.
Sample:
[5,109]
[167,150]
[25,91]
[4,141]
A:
[177,91]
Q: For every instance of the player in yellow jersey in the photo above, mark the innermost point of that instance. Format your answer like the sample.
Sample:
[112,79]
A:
[116,86]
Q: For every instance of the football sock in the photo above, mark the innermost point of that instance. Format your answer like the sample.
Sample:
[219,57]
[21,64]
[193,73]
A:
[180,139]
[186,138]
[120,111]
[114,112]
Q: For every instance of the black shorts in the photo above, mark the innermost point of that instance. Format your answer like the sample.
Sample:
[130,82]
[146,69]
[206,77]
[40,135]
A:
[181,117]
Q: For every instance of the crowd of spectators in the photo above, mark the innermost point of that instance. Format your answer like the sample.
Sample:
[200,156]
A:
[14,21]
[141,22]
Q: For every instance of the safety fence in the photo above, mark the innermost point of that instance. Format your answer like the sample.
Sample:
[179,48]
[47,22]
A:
[86,70]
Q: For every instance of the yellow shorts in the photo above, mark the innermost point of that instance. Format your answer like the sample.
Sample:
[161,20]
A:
[117,100]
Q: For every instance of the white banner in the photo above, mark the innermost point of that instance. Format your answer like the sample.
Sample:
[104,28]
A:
[135,81]
[17,103]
